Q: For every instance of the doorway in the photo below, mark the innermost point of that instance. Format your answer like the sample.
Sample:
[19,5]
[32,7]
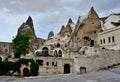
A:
[82,70]
[25,72]
[66,68]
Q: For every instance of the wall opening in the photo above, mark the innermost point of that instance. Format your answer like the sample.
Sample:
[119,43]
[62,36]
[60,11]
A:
[47,63]
[55,53]
[60,53]
[45,52]
[66,68]
[82,70]
[0,58]
[58,44]
[40,62]
[6,50]
[109,39]
[92,43]
[113,39]
[25,72]
[53,63]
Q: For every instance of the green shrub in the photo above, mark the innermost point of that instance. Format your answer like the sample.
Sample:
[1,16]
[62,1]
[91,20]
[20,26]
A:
[12,67]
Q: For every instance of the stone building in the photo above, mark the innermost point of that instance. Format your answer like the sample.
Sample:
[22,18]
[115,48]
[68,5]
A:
[110,38]
[6,50]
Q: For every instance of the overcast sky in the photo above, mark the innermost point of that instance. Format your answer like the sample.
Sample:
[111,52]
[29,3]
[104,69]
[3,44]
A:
[48,14]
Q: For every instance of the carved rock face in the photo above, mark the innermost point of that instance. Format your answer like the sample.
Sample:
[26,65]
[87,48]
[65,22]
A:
[86,30]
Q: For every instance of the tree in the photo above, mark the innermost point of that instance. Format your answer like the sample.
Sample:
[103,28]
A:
[21,44]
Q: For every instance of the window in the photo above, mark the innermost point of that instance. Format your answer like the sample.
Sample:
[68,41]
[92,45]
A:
[65,45]
[101,41]
[58,44]
[109,39]
[86,38]
[83,52]
[92,43]
[47,63]
[56,64]
[113,39]
[6,50]
[52,63]
[40,62]
[95,32]
[104,41]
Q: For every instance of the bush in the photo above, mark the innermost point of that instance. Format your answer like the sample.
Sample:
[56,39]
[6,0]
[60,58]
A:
[9,68]
[6,67]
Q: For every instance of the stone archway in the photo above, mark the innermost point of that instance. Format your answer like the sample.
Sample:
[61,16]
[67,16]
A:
[25,71]
[66,68]
[0,58]
[45,52]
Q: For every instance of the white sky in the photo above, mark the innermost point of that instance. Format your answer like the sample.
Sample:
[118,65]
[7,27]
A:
[48,14]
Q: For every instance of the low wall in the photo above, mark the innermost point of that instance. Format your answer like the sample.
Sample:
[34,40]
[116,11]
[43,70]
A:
[101,59]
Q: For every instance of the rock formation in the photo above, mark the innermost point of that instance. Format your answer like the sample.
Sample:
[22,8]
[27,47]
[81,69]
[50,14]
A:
[51,34]
[28,25]
[68,29]
[86,30]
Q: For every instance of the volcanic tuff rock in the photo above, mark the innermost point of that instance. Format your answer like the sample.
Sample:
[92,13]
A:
[69,27]
[28,25]
[51,34]
[62,29]
[86,30]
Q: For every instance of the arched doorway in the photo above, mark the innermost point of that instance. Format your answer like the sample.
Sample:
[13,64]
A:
[58,44]
[66,68]
[60,53]
[45,51]
[25,72]
[82,70]
[0,58]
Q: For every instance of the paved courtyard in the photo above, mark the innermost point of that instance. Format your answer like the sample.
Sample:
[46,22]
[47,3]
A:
[112,75]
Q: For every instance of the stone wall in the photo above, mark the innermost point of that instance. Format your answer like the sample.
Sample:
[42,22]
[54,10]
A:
[48,68]
[99,60]
[109,38]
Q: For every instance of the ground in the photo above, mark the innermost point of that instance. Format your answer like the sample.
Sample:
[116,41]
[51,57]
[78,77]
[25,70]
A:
[111,75]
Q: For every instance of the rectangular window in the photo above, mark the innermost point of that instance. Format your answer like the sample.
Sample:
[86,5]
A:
[104,41]
[113,39]
[109,39]
[101,41]
[40,62]
[52,63]
[6,50]
[47,63]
